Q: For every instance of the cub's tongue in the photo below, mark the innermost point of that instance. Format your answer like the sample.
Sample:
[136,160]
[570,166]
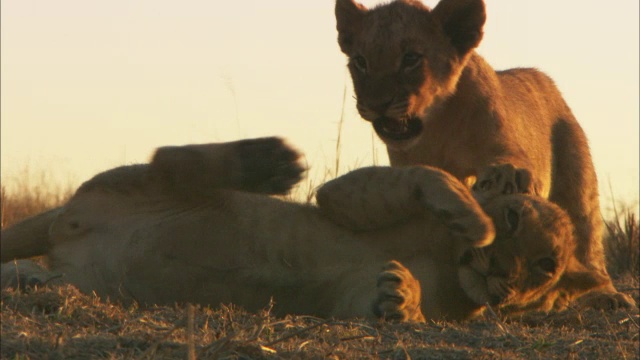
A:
[388,128]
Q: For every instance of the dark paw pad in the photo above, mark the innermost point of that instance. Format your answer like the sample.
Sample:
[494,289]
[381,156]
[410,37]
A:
[503,179]
[269,166]
[398,297]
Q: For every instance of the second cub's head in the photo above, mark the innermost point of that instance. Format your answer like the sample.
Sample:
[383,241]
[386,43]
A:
[532,260]
[404,57]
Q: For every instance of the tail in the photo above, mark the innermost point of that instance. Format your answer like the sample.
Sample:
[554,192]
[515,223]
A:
[27,238]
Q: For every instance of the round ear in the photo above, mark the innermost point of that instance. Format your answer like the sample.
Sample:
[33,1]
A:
[349,15]
[462,22]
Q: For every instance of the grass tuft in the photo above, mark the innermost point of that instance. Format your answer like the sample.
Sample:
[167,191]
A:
[29,194]
[622,244]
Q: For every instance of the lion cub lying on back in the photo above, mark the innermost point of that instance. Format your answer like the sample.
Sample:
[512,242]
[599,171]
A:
[194,225]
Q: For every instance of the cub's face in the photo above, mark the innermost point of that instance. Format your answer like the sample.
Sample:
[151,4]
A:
[404,58]
[531,257]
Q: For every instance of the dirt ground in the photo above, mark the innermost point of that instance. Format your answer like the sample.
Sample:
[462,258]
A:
[61,323]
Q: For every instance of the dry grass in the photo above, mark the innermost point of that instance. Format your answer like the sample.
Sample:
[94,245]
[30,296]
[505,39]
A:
[622,242]
[61,323]
[29,194]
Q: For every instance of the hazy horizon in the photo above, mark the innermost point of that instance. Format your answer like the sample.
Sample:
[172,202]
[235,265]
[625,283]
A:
[88,86]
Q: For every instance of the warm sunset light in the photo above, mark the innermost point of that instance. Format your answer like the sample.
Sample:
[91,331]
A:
[91,85]
[195,179]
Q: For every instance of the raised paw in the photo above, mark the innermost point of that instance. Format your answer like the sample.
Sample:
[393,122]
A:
[502,179]
[399,294]
[264,165]
[268,166]
[473,229]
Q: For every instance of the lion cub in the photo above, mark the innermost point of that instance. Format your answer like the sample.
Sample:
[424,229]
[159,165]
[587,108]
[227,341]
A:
[196,225]
[531,265]
[433,100]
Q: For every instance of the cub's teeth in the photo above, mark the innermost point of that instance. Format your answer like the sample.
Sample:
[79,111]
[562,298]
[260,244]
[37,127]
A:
[398,129]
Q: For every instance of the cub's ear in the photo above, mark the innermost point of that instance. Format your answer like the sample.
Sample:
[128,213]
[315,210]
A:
[512,218]
[462,22]
[349,15]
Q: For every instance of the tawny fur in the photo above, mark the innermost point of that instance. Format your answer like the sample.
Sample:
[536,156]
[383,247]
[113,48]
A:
[531,265]
[433,100]
[196,225]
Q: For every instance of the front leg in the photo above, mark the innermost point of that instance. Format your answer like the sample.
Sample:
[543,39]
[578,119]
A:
[377,290]
[379,197]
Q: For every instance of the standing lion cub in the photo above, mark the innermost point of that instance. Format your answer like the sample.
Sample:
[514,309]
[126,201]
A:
[433,100]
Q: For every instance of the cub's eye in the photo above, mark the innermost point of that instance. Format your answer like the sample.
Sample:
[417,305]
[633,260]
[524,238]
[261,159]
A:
[411,60]
[360,63]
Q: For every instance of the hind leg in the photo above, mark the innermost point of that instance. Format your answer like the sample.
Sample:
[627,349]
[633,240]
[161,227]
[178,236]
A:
[575,188]
[265,165]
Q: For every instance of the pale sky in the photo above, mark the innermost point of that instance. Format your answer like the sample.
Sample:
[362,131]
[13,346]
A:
[89,85]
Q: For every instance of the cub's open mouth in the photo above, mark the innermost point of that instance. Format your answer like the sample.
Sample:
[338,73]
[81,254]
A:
[398,130]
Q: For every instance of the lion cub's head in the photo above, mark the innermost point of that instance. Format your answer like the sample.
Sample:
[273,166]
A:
[404,58]
[531,261]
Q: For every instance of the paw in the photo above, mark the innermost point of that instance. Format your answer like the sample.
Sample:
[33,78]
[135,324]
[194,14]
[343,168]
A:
[606,301]
[265,165]
[398,294]
[268,165]
[24,275]
[502,179]
[474,229]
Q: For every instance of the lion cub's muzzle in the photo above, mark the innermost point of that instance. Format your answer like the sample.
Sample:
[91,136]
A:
[397,130]
[391,119]
[482,281]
